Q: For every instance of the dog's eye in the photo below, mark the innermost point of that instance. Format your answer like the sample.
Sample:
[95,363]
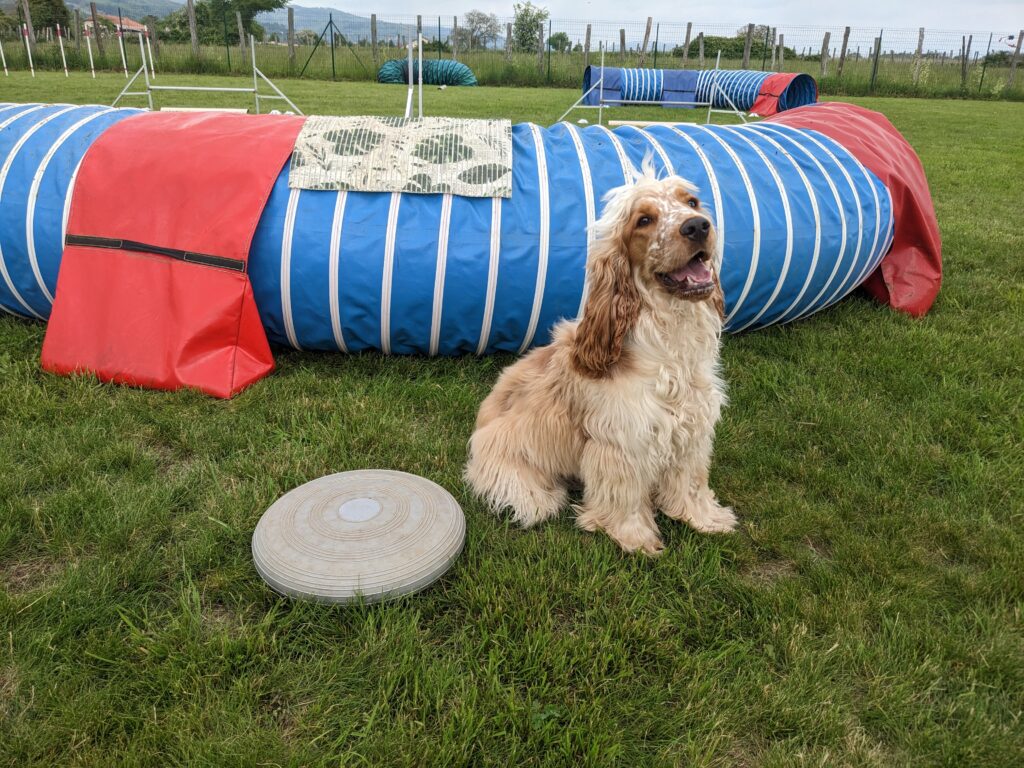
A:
[643,221]
[693,202]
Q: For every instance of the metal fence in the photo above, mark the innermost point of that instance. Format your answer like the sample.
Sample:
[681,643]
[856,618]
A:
[300,41]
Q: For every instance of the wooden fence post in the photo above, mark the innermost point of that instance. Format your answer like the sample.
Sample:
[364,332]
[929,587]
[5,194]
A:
[917,55]
[686,42]
[842,51]
[373,34]
[824,53]
[28,22]
[540,48]
[746,46]
[782,52]
[647,39]
[291,39]
[241,31]
[622,43]
[455,38]
[775,42]
[508,42]
[1016,58]
[78,30]
[96,28]
[192,31]
[874,63]
[700,50]
[154,39]
[586,48]
[964,58]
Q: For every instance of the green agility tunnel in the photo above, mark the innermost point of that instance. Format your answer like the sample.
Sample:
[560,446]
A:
[435,72]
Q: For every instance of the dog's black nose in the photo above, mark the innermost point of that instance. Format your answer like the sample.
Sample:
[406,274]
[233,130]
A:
[696,229]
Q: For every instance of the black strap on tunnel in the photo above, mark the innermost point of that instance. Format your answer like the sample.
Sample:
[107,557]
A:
[221,262]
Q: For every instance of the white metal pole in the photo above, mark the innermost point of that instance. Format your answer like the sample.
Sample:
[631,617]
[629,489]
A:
[28,49]
[4,59]
[408,97]
[255,80]
[63,58]
[420,43]
[120,43]
[88,45]
[152,64]
[145,73]
[600,100]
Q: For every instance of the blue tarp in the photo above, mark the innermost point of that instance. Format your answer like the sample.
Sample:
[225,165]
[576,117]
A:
[802,223]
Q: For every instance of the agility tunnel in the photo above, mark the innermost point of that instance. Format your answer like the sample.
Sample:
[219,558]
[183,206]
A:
[761,93]
[435,72]
[809,206]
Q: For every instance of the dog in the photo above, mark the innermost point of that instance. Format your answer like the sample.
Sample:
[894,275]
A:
[624,400]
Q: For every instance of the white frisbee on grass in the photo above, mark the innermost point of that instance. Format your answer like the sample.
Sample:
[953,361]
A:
[374,534]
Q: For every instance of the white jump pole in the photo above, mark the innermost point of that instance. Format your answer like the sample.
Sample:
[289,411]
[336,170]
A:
[28,49]
[120,43]
[412,85]
[63,58]
[152,64]
[4,59]
[419,42]
[88,45]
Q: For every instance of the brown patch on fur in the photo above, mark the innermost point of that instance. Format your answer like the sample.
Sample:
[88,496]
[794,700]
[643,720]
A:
[718,296]
[612,308]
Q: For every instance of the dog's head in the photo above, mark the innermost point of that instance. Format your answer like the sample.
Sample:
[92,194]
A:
[654,243]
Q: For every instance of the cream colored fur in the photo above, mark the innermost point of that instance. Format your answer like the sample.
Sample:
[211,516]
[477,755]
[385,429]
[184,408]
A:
[625,400]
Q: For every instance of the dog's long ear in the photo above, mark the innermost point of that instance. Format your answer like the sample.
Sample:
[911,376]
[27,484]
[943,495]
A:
[612,307]
[718,296]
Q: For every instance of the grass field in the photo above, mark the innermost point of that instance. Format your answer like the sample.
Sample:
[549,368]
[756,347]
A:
[867,613]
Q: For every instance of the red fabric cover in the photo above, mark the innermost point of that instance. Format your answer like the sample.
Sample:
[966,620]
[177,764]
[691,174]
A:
[195,182]
[767,102]
[909,277]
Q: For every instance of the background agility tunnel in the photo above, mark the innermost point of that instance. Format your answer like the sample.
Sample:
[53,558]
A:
[764,93]
[802,221]
[435,72]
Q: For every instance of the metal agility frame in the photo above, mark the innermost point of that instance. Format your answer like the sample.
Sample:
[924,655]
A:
[604,103]
[257,75]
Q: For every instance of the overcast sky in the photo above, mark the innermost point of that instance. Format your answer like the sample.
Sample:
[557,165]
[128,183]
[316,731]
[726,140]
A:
[1001,16]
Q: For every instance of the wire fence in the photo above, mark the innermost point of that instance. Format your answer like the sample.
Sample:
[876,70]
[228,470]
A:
[309,43]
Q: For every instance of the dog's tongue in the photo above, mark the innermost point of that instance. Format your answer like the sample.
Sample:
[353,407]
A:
[696,271]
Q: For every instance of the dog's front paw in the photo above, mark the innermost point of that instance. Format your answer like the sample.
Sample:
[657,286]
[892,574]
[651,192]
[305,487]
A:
[713,519]
[632,536]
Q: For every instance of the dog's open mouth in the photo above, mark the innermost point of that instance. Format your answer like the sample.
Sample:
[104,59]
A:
[694,280]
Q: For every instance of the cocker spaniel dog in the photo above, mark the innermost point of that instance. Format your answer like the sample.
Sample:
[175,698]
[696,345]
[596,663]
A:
[625,399]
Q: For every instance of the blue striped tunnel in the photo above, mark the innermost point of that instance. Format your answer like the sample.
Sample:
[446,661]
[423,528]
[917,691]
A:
[742,87]
[642,84]
[802,223]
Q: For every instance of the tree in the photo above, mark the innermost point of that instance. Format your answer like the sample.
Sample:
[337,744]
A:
[48,13]
[478,28]
[524,28]
[7,24]
[212,16]
[559,42]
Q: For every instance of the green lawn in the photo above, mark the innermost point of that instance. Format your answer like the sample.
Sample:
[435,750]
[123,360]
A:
[867,613]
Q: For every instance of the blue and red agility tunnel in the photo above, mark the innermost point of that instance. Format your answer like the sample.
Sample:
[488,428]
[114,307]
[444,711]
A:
[762,93]
[810,205]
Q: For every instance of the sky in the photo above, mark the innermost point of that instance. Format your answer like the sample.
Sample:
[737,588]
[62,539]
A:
[1000,16]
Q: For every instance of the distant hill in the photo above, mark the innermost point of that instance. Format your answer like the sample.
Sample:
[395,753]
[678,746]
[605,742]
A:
[133,9]
[353,27]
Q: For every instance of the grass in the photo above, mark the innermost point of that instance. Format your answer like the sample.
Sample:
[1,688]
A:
[868,613]
[938,76]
